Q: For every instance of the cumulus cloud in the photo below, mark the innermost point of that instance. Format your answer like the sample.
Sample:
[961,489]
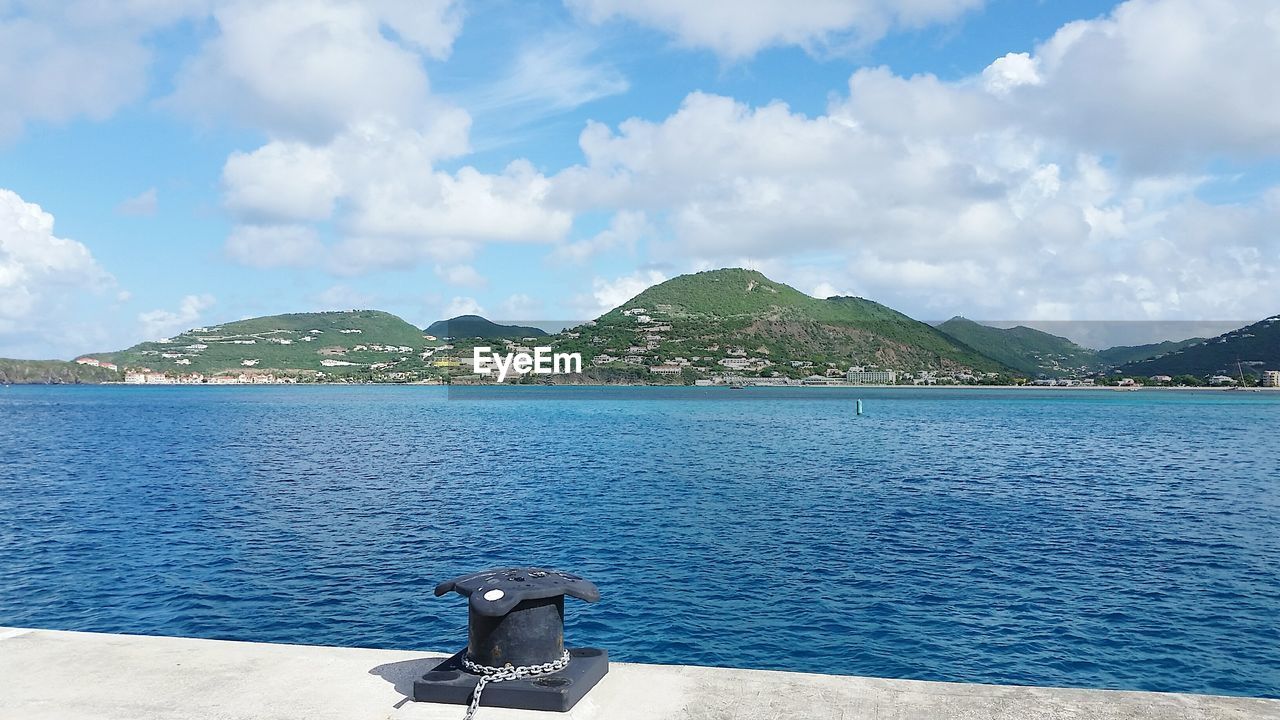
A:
[281,181]
[157,324]
[1011,71]
[378,183]
[1000,195]
[272,246]
[398,218]
[826,290]
[461,275]
[464,205]
[43,278]
[342,297]
[1157,81]
[356,140]
[1063,180]
[290,67]
[740,28]
[77,58]
[608,294]
[462,306]
[625,229]
[308,68]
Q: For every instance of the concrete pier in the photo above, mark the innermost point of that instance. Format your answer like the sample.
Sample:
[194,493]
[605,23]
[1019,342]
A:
[54,675]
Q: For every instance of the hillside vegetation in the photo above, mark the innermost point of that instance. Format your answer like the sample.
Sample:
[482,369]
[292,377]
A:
[1124,354]
[357,344]
[52,372]
[1025,349]
[1250,349]
[741,313]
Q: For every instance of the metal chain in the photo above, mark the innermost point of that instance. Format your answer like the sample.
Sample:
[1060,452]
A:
[489,674]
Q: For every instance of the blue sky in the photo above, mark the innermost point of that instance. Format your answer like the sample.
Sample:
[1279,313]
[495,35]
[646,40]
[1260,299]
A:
[172,163]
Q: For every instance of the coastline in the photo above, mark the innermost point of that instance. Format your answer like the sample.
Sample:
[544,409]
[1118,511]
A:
[1040,388]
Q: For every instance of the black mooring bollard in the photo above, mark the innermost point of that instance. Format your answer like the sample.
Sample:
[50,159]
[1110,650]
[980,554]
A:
[515,643]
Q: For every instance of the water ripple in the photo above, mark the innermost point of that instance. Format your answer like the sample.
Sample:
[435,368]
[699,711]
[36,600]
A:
[1123,540]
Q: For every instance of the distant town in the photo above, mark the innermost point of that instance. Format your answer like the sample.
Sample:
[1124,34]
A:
[646,354]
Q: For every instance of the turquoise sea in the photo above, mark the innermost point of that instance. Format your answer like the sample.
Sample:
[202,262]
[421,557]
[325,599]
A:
[1070,538]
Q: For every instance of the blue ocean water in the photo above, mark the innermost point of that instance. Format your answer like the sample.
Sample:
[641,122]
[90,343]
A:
[1078,538]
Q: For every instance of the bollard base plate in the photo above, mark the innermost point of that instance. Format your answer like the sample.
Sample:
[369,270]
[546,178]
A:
[450,683]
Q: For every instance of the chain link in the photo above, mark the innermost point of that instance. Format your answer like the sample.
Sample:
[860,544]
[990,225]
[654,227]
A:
[489,674]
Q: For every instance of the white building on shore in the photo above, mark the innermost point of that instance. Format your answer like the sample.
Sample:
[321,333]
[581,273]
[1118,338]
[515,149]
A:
[859,376]
[1271,378]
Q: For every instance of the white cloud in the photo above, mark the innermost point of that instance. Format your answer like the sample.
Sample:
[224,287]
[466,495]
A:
[425,205]
[342,297]
[557,73]
[143,204]
[43,281]
[77,58]
[462,306]
[270,246]
[609,294]
[1061,181]
[354,137]
[1011,71]
[461,275]
[520,307]
[740,28]
[1158,81]
[309,68]
[396,208]
[826,290]
[282,181]
[625,229]
[357,255]
[291,67]
[975,196]
[157,324]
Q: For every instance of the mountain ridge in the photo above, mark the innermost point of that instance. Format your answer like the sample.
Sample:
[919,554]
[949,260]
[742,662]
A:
[711,313]
[474,326]
[730,320]
[1249,350]
[1025,349]
[1037,352]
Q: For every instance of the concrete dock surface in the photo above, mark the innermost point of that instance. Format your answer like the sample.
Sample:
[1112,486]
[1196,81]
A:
[56,675]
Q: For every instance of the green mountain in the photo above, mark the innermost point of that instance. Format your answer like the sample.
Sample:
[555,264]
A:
[356,344]
[736,313]
[1250,349]
[52,372]
[1025,349]
[1124,354]
[474,326]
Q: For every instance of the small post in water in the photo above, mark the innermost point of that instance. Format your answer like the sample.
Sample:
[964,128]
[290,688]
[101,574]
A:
[859,405]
